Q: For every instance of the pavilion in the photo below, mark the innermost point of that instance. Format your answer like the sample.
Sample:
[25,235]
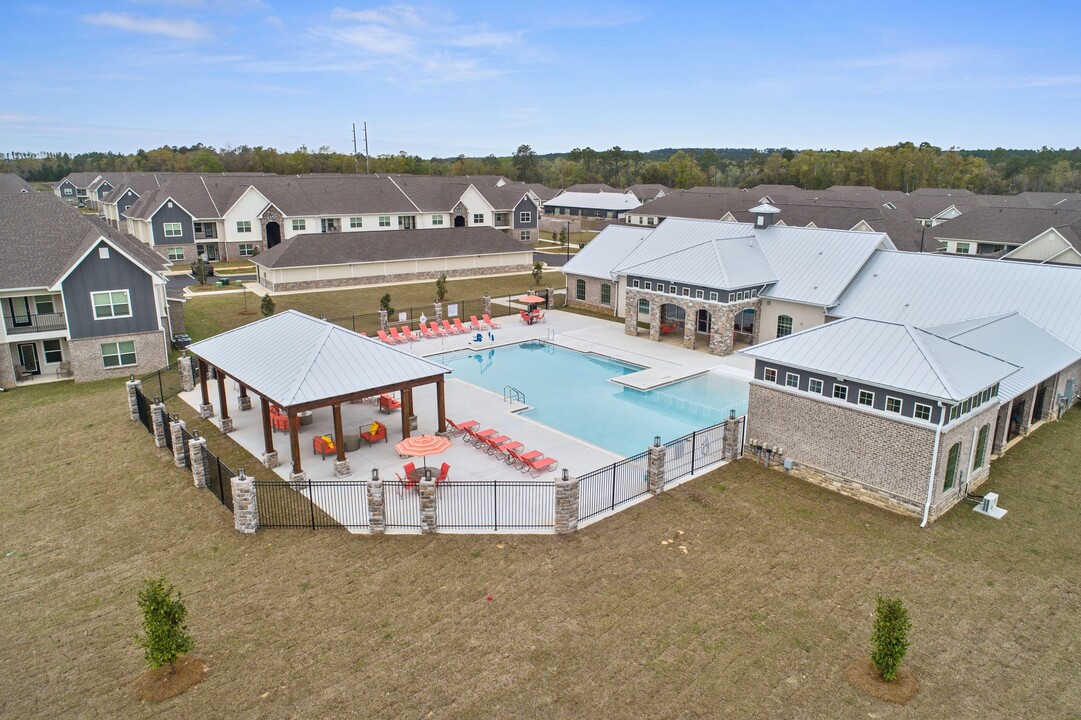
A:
[300,363]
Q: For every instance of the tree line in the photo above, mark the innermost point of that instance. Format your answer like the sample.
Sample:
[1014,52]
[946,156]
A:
[905,166]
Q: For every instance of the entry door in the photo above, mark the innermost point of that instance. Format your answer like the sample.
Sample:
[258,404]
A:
[28,358]
[20,311]
[703,321]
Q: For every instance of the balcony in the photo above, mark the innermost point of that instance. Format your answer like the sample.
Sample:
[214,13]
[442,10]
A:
[25,324]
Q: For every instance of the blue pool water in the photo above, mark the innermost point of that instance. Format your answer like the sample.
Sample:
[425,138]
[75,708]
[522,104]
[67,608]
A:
[573,393]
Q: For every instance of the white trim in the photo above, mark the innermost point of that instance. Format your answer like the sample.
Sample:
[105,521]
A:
[900,408]
[768,370]
[859,395]
[157,279]
[788,377]
[930,411]
[114,316]
[821,386]
[833,392]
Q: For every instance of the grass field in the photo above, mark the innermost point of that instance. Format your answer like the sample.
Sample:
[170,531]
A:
[206,316]
[758,618]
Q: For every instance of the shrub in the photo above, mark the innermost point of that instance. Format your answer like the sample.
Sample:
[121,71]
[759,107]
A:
[538,272]
[267,306]
[890,637]
[384,304]
[440,288]
[165,636]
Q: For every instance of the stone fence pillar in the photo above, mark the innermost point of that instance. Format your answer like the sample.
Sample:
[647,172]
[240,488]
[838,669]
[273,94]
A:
[486,303]
[566,504]
[427,506]
[187,375]
[551,297]
[245,504]
[383,321]
[732,427]
[197,452]
[156,422]
[133,403]
[655,473]
[377,517]
[176,430]
[437,309]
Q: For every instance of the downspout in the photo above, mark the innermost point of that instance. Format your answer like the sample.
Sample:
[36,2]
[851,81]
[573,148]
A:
[934,463]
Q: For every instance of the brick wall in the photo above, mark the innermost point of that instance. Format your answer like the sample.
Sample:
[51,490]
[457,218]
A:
[85,355]
[383,279]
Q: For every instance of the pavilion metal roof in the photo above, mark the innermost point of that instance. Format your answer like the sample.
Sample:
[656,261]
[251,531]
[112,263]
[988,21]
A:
[595,200]
[729,263]
[603,254]
[292,358]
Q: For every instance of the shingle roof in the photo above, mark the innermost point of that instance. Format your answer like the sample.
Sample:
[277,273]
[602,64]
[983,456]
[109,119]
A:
[11,183]
[606,251]
[889,355]
[698,203]
[591,188]
[293,358]
[310,249]
[595,200]
[1011,226]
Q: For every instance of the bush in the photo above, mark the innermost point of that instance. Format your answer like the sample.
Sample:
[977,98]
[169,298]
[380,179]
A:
[384,304]
[440,288]
[890,637]
[165,636]
[267,306]
[538,272]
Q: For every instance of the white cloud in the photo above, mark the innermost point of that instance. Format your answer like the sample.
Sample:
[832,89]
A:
[274,20]
[180,29]
[389,15]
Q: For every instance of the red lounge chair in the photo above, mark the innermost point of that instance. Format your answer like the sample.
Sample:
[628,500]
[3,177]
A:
[491,444]
[491,323]
[450,330]
[384,338]
[407,482]
[481,436]
[459,327]
[423,329]
[370,437]
[443,472]
[396,336]
[506,448]
[323,445]
[388,403]
[436,329]
[514,456]
[526,317]
[537,466]
[474,324]
[408,334]
[279,422]
[461,428]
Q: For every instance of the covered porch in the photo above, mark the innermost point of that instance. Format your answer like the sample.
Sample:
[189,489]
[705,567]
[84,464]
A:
[719,327]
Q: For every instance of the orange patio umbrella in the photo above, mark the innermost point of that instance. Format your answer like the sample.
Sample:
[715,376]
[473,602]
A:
[531,299]
[422,446]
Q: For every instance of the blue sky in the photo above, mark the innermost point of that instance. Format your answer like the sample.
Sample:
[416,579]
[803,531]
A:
[449,78]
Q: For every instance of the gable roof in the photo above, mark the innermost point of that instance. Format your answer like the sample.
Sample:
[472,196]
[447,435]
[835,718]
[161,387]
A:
[595,201]
[12,183]
[293,358]
[605,252]
[888,355]
[728,263]
[1001,225]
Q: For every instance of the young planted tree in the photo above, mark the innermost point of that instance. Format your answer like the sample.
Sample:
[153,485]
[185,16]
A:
[538,272]
[200,270]
[266,306]
[440,288]
[890,637]
[384,304]
[165,636]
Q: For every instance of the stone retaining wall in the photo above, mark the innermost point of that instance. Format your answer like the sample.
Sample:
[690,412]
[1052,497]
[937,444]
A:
[399,278]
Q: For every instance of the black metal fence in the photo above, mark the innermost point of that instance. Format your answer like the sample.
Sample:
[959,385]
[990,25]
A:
[164,383]
[609,487]
[495,505]
[218,476]
[401,506]
[698,450]
[314,504]
[143,406]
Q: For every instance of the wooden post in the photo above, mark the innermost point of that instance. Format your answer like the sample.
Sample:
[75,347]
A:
[339,439]
[221,396]
[441,405]
[406,410]
[294,440]
[268,431]
[202,381]
[243,391]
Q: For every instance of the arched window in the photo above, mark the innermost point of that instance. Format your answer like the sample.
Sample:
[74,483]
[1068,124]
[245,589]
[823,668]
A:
[951,467]
[784,325]
[981,447]
[606,294]
[580,289]
[643,307]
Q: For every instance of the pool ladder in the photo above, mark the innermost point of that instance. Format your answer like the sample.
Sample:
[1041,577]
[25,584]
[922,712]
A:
[513,393]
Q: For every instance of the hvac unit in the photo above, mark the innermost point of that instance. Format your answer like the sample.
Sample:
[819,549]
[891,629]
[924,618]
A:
[989,506]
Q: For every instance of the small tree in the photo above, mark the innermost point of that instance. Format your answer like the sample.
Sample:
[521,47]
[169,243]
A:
[538,272]
[890,637]
[564,236]
[267,306]
[200,270]
[384,304]
[165,636]
[440,288]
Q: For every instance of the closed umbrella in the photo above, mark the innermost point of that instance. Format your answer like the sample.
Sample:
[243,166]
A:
[422,446]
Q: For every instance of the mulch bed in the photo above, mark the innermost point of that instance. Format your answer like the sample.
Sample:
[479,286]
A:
[863,676]
[159,684]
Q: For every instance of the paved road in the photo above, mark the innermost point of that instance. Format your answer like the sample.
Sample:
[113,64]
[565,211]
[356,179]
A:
[553,259]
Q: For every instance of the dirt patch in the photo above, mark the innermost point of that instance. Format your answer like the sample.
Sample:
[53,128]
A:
[863,676]
[159,684]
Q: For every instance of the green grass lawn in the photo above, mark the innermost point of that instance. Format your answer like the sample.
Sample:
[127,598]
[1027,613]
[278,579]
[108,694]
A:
[773,597]
[206,316]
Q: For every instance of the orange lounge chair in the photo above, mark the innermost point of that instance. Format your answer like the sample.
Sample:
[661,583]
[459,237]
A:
[388,403]
[383,336]
[514,457]
[459,327]
[474,324]
[538,465]
[408,334]
[443,472]
[507,447]
[461,428]
[450,329]
[436,329]
[423,329]
[491,323]
[491,444]
[396,336]
[279,422]
[481,436]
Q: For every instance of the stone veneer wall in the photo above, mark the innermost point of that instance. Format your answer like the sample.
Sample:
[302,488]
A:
[383,279]
[593,295]
[177,318]
[875,458]
[8,359]
[722,317]
[85,355]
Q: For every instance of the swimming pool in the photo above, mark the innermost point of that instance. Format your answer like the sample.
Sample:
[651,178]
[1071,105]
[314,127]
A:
[573,393]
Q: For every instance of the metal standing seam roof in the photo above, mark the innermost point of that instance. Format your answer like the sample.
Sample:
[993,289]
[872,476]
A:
[888,355]
[727,263]
[293,358]
[595,200]
[605,252]
[1018,340]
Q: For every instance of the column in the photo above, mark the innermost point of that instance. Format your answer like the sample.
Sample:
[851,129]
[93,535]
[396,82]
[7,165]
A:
[437,311]
[690,327]
[1027,412]
[566,504]
[157,420]
[655,307]
[383,321]
[206,410]
[441,406]
[187,377]
[1002,428]
[270,455]
[655,472]
[226,422]
[133,385]
[297,478]
[176,430]
[245,504]
[197,453]
[733,428]
[428,521]
[551,297]
[341,463]
[486,303]
[377,519]
[244,401]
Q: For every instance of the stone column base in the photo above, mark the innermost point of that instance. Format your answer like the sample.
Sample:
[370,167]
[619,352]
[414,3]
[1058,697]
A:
[244,402]
[226,424]
[341,468]
[412,422]
[270,460]
[376,517]
[298,481]
[655,471]
[206,411]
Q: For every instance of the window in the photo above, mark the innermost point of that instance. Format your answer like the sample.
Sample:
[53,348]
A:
[865,397]
[964,248]
[731,297]
[243,226]
[651,221]
[52,351]
[635,283]
[478,218]
[814,385]
[840,391]
[966,407]
[955,412]
[246,249]
[713,296]
[699,294]
[300,224]
[43,304]
[784,325]
[111,304]
[606,294]
[173,230]
[437,219]
[649,286]
[643,307]
[358,222]
[686,292]
[986,396]
[994,390]
[951,466]
[981,446]
[671,288]
[384,221]
[580,289]
[527,236]
[103,253]
[525,217]
[67,191]
[893,405]
[118,354]
[754,293]
[176,253]
[791,380]
[769,375]
[922,412]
